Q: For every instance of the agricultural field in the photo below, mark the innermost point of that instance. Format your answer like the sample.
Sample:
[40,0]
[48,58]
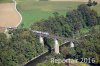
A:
[6,1]
[8,15]
[35,10]
[97,8]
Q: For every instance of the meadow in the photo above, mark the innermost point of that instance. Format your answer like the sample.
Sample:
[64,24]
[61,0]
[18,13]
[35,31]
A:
[33,11]
[6,1]
[97,8]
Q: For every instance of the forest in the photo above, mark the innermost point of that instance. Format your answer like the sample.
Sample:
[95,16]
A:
[21,46]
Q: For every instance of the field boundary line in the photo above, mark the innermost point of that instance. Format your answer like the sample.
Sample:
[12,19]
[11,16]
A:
[18,13]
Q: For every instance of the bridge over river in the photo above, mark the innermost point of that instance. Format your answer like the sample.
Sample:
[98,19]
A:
[42,35]
[43,55]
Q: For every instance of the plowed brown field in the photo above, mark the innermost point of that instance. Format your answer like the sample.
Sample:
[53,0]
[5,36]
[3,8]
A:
[8,15]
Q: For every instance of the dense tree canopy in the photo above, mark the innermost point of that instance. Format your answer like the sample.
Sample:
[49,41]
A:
[21,47]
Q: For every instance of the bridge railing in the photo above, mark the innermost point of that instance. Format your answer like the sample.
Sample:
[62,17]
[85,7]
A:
[40,32]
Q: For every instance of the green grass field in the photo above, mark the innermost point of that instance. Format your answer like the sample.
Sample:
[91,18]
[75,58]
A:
[6,1]
[97,8]
[33,11]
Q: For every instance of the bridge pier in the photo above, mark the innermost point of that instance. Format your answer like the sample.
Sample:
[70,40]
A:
[41,40]
[56,47]
[71,44]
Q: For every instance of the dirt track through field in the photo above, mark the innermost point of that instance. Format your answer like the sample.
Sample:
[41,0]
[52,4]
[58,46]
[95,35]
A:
[9,17]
